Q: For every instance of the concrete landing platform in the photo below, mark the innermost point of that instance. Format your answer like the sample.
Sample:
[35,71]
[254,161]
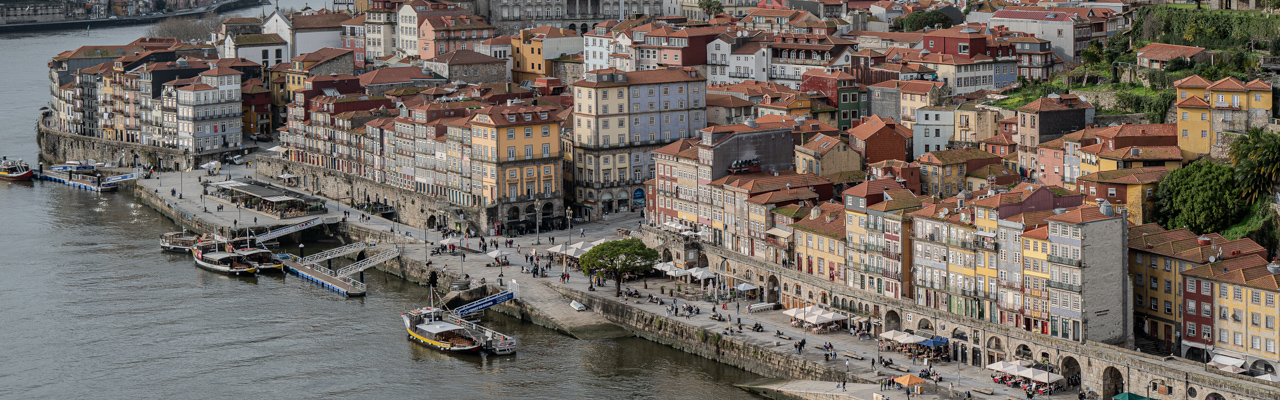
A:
[816,390]
[542,302]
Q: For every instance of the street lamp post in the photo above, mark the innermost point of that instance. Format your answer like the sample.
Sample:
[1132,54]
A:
[537,222]
[568,215]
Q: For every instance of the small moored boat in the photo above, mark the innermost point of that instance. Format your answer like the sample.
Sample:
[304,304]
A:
[15,170]
[227,263]
[426,325]
[262,259]
[178,242]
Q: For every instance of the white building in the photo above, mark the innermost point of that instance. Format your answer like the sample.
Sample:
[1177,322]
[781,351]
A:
[933,129]
[267,48]
[209,112]
[306,32]
[734,59]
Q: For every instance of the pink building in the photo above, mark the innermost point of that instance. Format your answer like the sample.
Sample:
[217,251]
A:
[439,35]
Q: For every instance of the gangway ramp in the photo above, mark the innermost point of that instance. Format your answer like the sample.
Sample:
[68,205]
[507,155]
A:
[335,253]
[369,262]
[483,304]
[289,229]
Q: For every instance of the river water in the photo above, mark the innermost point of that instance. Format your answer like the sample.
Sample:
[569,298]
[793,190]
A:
[90,308]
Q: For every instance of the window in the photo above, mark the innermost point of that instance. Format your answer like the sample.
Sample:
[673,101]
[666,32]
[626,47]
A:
[1191,329]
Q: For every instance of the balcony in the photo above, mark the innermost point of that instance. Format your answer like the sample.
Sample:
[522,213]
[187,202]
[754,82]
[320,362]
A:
[744,75]
[1027,290]
[871,248]
[1064,261]
[799,61]
[714,61]
[1063,286]
[1011,284]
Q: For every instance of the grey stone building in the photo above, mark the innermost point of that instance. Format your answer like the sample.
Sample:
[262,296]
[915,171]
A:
[469,66]
[510,16]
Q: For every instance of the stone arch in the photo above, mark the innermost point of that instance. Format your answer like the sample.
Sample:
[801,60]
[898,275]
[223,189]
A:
[530,211]
[993,343]
[1262,367]
[666,255]
[431,221]
[1214,396]
[771,291]
[1112,382]
[513,213]
[892,321]
[1070,367]
[548,209]
[924,324]
[810,296]
[703,261]
[844,304]
[822,297]
[573,27]
[724,265]
[583,28]
[1022,351]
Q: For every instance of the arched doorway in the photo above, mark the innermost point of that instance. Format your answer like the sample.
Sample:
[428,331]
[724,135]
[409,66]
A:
[1197,354]
[1214,396]
[771,295]
[703,262]
[977,357]
[1261,367]
[924,324]
[892,322]
[666,255]
[1023,351]
[573,27]
[1113,383]
[995,350]
[513,214]
[822,298]
[1070,367]
[530,212]
[431,222]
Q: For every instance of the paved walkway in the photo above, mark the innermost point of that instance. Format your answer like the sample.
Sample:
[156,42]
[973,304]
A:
[965,377]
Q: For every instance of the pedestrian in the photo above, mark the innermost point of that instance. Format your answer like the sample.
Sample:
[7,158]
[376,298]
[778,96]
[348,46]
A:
[846,365]
[464,257]
[255,220]
[582,232]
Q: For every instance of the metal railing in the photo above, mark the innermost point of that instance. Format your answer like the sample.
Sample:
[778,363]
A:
[1064,260]
[1063,286]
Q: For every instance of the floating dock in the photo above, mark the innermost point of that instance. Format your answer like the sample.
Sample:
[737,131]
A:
[346,286]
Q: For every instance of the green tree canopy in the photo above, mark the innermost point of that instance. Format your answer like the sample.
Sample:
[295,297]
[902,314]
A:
[618,258]
[1203,197]
[1256,157]
[921,19]
[710,7]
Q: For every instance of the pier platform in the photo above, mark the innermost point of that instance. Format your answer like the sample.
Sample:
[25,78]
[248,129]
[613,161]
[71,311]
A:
[343,285]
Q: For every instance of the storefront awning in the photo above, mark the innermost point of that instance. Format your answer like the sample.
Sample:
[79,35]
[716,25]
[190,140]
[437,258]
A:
[779,232]
[1227,360]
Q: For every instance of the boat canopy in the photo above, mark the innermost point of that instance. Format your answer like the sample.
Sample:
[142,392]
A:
[218,256]
[435,327]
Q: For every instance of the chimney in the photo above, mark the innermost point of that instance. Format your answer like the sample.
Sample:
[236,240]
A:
[815,212]
[1204,240]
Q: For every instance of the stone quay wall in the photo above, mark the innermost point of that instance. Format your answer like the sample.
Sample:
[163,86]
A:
[58,147]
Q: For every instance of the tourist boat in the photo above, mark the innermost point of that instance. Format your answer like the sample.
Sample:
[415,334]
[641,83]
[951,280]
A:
[262,259]
[224,262]
[428,325]
[15,170]
[178,242]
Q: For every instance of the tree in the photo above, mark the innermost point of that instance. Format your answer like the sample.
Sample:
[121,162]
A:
[921,19]
[619,258]
[1256,158]
[710,7]
[1203,197]
[186,29]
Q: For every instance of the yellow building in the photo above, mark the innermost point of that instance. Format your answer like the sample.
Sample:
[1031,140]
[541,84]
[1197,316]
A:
[1241,326]
[1157,261]
[1035,277]
[1131,189]
[819,243]
[325,61]
[826,155]
[787,104]
[1206,110]
[516,151]
[532,49]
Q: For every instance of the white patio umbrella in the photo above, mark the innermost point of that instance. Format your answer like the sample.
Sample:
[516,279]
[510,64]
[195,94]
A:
[210,165]
[1269,377]
[835,316]
[557,249]
[575,252]
[497,253]
[450,241]
[677,272]
[1015,370]
[701,273]
[889,334]
[912,339]
[999,366]
[745,287]
[796,312]
[1039,375]
[600,242]
[664,266]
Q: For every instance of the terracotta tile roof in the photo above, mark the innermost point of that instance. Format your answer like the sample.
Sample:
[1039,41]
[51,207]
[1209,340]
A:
[550,32]
[1192,102]
[876,125]
[1186,245]
[1138,130]
[1192,82]
[504,40]
[1257,84]
[318,21]
[1166,52]
[780,196]
[991,170]
[724,100]
[942,211]
[829,223]
[465,57]
[1002,139]
[1251,271]
[834,74]
[1034,15]
[1228,84]
[771,183]
[913,87]
[872,187]
[676,147]
[242,20]
[392,75]
[321,55]
[1052,144]
[899,37]
[259,39]
[847,176]
[1055,104]
[1081,214]
[751,88]
[498,115]
[898,199]
[220,71]
[357,21]
[456,23]
[822,144]
[1041,233]
[1144,153]
[686,74]
[197,86]
[955,156]
[792,210]
[1128,176]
